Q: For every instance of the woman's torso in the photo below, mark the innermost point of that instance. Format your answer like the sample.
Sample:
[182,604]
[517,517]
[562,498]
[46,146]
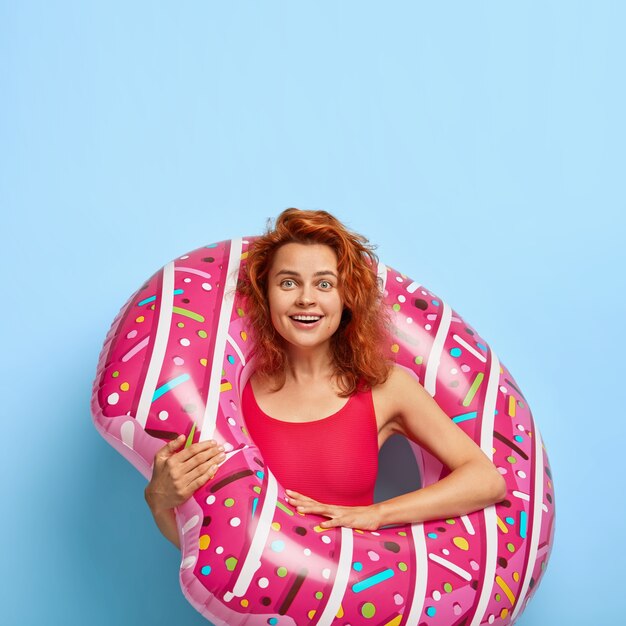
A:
[332,458]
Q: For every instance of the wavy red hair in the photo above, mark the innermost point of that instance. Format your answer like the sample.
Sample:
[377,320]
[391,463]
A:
[357,347]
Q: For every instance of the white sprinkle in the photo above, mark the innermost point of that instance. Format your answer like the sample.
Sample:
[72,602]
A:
[128,433]
[113,398]
[185,342]
[190,561]
[206,286]
[263,582]
[190,524]
[235,522]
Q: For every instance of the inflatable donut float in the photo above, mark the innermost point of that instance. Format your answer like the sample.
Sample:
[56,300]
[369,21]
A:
[175,361]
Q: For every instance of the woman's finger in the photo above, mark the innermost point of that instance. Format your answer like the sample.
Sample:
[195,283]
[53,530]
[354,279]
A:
[169,448]
[201,457]
[194,449]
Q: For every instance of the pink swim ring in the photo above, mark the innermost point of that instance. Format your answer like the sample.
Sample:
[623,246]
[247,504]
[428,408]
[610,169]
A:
[175,361]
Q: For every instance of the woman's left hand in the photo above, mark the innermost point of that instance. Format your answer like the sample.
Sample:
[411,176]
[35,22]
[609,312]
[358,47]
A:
[361,517]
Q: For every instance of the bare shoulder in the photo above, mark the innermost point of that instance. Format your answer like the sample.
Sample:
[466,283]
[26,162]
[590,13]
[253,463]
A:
[393,396]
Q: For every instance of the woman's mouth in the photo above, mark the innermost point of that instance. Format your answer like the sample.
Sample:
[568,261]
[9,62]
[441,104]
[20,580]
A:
[308,320]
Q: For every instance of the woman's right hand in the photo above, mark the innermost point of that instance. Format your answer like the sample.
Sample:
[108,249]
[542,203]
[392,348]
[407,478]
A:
[177,475]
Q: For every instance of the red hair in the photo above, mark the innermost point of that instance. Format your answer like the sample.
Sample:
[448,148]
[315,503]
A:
[357,347]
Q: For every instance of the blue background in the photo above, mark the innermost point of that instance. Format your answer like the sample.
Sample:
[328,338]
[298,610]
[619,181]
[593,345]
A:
[478,144]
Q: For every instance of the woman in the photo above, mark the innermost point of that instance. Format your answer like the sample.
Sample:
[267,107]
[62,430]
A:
[316,316]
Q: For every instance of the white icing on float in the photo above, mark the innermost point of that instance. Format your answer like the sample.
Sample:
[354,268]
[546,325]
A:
[175,361]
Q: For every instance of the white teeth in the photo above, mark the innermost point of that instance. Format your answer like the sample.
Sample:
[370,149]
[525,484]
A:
[306,318]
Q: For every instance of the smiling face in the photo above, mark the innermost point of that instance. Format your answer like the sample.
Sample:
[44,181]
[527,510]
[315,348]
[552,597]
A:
[303,293]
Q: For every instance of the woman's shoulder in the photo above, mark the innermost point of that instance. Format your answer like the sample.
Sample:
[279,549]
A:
[398,379]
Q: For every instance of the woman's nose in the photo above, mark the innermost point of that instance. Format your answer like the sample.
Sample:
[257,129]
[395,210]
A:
[305,297]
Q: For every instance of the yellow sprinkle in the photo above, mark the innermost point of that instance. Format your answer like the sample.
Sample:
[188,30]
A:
[504,613]
[501,525]
[395,348]
[511,406]
[243,334]
[395,621]
[461,543]
[124,386]
[140,319]
[275,526]
[226,386]
[204,542]
[203,361]
[311,613]
[340,612]
[244,602]
[506,589]
[319,529]
[244,255]
[516,576]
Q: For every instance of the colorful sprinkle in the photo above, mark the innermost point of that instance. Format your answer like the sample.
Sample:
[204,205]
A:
[168,386]
[473,389]
[372,580]
[461,543]
[368,610]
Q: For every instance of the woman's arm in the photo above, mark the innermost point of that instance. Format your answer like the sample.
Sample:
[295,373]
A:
[473,482]
[176,476]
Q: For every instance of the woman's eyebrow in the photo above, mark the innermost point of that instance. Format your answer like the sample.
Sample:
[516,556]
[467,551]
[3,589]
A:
[297,275]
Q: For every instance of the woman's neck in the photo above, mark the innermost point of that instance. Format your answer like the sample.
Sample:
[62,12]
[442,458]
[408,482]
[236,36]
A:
[304,366]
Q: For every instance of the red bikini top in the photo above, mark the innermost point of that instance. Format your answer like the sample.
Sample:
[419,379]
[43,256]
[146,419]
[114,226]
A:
[333,460]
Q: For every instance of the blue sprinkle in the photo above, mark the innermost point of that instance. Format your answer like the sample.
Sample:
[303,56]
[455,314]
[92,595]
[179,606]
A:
[431,611]
[435,302]
[456,352]
[260,474]
[509,520]
[212,245]
[231,359]
[523,524]
[254,503]
[464,417]
[150,299]
[357,566]
[278,546]
[206,570]
[432,535]
[518,438]
[482,346]
[272,620]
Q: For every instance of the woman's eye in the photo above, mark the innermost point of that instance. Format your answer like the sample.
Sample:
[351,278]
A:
[325,284]
[288,283]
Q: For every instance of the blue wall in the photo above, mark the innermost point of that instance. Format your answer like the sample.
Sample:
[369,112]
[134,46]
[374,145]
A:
[479,144]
